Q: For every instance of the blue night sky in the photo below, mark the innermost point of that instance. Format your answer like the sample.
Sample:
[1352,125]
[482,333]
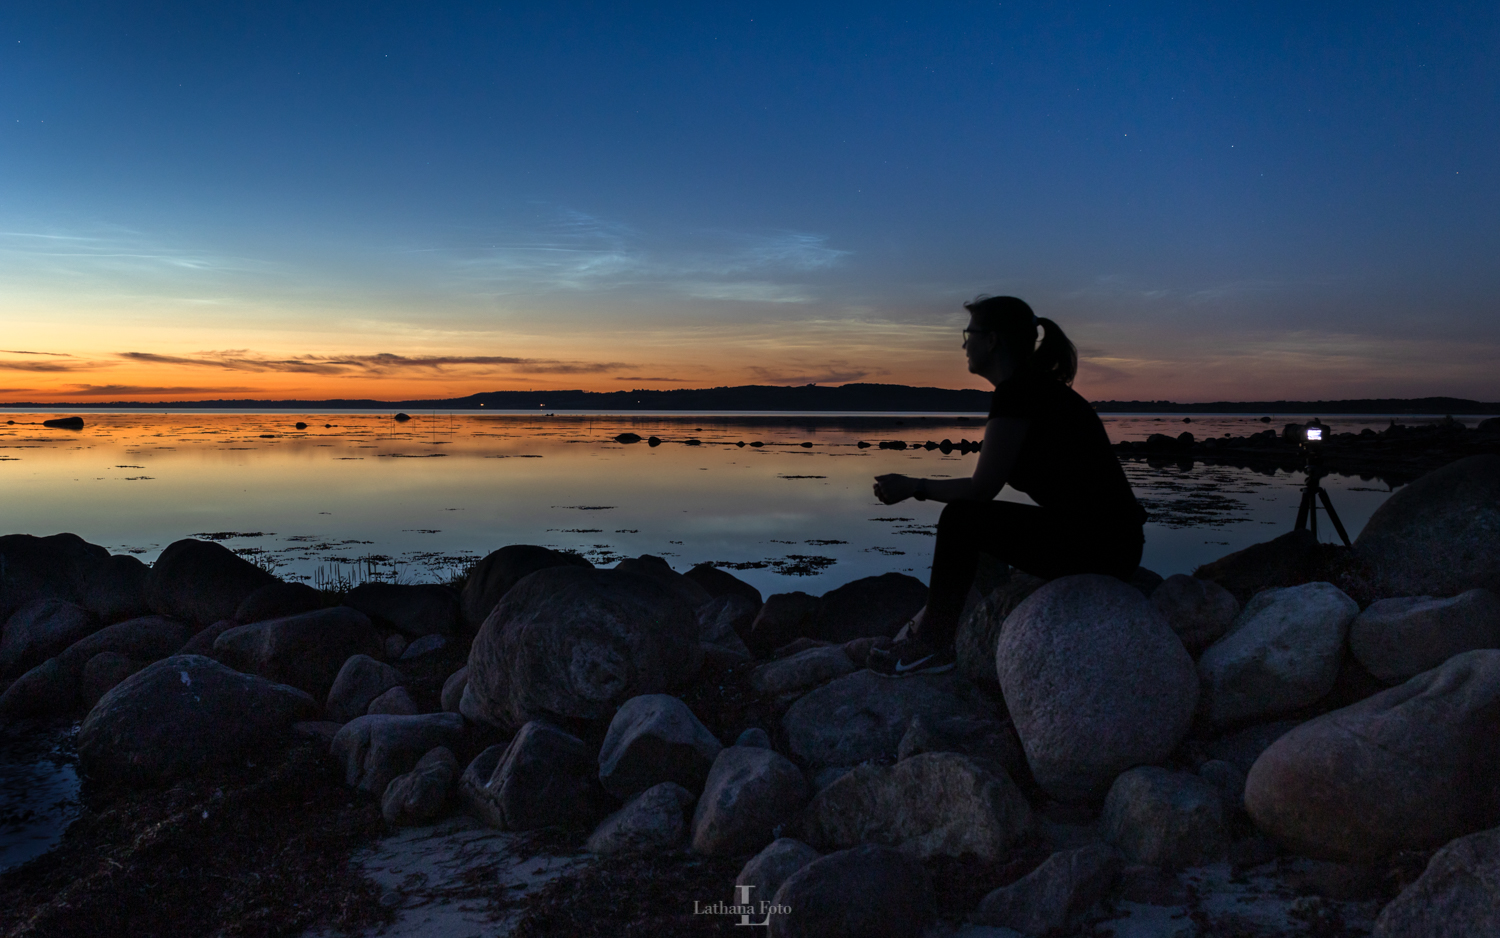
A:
[399,200]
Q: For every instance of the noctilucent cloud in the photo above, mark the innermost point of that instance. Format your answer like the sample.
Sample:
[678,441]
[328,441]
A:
[402,200]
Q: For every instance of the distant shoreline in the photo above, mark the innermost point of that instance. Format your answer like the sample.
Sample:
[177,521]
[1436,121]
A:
[808,399]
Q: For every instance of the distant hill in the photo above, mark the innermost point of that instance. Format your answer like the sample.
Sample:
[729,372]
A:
[884,398]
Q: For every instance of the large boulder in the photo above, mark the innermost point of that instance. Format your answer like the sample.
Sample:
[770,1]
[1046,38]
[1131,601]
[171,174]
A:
[39,630]
[749,793]
[1095,681]
[655,738]
[659,570]
[724,620]
[493,577]
[1440,535]
[766,871]
[182,714]
[201,581]
[1457,896]
[790,677]
[418,795]
[572,644]
[358,683]
[1274,563]
[544,777]
[934,804]
[102,673]
[655,819]
[722,583]
[116,589]
[979,631]
[1200,611]
[1396,639]
[869,891]
[277,600]
[376,749]
[1412,767]
[874,605]
[1282,653]
[304,650]
[55,567]
[147,638]
[862,717]
[413,610]
[783,617]
[1164,818]
[1067,882]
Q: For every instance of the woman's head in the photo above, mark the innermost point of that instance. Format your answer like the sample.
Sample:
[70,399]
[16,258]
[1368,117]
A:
[1005,326]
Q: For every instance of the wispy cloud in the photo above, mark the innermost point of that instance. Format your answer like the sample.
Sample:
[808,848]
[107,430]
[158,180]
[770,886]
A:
[117,390]
[654,380]
[830,375]
[578,251]
[377,365]
[44,366]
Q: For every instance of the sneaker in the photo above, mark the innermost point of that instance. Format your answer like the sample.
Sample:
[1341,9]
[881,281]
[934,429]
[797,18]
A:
[911,656]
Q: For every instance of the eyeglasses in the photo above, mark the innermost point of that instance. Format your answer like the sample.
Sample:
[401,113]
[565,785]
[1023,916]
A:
[970,333]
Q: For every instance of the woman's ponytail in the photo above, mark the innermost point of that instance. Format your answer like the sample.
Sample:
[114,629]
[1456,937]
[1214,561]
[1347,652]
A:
[1056,356]
[1016,324]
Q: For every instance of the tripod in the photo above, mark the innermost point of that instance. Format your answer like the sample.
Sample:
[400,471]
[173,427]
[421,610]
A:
[1312,493]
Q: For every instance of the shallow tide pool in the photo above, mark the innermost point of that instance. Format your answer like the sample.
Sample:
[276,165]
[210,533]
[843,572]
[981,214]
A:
[360,494]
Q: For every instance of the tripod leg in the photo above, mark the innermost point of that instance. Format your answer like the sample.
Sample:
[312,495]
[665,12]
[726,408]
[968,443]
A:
[1334,517]
[1302,508]
[1312,510]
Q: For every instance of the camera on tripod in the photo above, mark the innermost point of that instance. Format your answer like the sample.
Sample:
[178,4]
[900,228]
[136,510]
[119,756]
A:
[1313,492]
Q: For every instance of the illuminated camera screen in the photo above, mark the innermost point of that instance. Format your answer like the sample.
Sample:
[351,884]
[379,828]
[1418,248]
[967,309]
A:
[1314,434]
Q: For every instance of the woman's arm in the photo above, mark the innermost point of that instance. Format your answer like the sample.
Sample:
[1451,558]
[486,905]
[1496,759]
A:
[1002,442]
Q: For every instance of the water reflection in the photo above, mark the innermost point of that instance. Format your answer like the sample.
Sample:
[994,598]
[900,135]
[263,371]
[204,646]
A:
[783,499]
[38,787]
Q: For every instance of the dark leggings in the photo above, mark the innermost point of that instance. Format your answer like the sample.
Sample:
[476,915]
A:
[1043,542]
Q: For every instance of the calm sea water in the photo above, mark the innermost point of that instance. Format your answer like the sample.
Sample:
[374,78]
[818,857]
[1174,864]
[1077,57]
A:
[357,494]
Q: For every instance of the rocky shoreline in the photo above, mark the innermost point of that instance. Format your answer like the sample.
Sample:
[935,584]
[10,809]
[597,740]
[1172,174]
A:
[1296,739]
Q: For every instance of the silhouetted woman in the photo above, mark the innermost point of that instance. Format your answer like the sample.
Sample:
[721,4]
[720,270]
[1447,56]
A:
[1046,441]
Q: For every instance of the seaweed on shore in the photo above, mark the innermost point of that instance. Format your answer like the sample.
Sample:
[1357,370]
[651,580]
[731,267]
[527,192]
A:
[247,850]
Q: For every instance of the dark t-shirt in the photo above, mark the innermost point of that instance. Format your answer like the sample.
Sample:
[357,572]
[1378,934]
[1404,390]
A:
[1065,462]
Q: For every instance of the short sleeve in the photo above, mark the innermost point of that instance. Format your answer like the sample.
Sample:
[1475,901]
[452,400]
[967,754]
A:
[1011,400]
